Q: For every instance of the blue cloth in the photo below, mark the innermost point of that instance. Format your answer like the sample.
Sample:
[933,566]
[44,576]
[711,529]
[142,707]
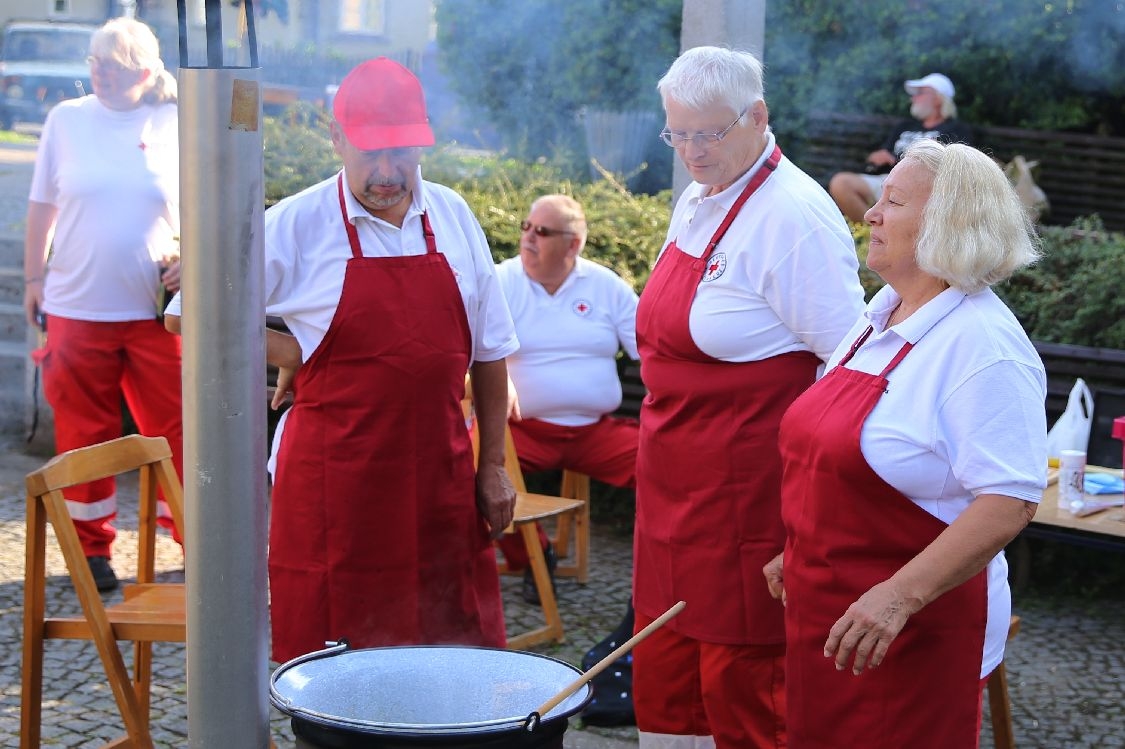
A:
[1103,483]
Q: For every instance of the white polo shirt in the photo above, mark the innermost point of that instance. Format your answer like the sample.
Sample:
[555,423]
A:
[787,276]
[565,371]
[114,178]
[307,253]
[962,415]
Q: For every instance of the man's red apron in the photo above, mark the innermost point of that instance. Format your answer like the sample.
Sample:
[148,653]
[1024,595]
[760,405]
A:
[847,531]
[375,535]
[708,469]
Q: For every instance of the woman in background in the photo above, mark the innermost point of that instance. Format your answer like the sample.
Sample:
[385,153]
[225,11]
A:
[100,251]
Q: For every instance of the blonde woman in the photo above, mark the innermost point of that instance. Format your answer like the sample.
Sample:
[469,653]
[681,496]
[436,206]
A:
[907,469]
[100,252]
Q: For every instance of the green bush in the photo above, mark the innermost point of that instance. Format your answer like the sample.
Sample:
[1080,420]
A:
[1074,294]
[626,229]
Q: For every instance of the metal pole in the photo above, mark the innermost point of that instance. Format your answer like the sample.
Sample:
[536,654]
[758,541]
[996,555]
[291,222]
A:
[740,24]
[221,198]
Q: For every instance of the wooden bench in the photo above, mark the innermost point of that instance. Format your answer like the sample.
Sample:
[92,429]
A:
[1081,174]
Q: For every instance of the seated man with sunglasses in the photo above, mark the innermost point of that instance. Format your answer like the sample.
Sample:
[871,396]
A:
[572,316]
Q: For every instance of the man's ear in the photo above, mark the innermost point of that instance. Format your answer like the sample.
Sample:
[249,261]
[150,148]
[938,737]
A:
[760,115]
[337,136]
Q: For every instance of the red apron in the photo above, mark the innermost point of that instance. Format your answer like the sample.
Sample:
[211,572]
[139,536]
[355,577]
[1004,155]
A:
[847,531]
[375,535]
[708,469]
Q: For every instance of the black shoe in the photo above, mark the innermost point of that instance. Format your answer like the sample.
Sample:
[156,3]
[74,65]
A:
[530,593]
[104,577]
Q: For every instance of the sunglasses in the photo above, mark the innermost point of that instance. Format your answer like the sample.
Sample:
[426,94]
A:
[543,231]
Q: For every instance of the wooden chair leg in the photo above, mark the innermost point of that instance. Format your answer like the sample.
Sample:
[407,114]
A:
[553,629]
[34,611]
[999,703]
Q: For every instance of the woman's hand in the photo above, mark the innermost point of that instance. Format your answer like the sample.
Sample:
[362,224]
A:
[170,275]
[868,627]
[33,301]
[775,579]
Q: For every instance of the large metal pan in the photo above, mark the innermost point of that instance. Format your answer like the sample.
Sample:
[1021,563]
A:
[397,697]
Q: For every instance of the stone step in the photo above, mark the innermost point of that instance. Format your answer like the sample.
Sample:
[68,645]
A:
[11,285]
[13,326]
[11,250]
[14,387]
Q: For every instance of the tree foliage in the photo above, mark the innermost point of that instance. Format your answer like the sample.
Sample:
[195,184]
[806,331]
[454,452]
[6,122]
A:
[1042,65]
[530,67]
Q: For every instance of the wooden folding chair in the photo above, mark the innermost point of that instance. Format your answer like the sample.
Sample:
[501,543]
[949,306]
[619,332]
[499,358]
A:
[531,508]
[574,486]
[999,706]
[151,611]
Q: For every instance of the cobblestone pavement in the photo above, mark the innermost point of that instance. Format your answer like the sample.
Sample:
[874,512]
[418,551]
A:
[1066,667]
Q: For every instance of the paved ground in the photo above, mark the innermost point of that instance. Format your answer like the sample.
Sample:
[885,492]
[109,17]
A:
[1067,666]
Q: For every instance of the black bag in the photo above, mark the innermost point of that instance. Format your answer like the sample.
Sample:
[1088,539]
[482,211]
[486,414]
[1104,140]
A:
[612,703]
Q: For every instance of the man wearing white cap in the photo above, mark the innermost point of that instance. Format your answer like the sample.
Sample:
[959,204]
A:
[380,526]
[934,116]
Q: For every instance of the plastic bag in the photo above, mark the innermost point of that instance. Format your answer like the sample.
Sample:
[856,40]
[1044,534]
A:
[1072,430]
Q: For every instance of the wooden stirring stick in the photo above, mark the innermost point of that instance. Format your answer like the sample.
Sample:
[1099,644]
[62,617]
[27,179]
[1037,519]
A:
[604,663]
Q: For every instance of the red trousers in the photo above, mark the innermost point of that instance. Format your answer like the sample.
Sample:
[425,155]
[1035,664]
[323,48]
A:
[87,368]
[684,689]
[605,451]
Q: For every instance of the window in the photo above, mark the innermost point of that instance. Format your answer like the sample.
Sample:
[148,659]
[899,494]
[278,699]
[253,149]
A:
[363,16]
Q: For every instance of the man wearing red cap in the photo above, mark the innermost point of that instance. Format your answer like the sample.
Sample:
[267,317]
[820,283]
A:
[379,533]
[934,115]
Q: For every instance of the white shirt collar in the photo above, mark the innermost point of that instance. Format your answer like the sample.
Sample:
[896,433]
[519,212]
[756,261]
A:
[911,329]
[355,209]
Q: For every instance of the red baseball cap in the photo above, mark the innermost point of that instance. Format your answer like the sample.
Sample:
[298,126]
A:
[380,105]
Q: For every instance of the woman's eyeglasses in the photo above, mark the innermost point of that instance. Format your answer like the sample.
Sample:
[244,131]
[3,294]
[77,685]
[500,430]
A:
[542,231]
[107,65]
[699,140]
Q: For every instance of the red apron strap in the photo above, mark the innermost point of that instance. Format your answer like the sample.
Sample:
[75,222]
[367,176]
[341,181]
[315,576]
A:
[752,186]
[428,235]
[349,227]
[353,234]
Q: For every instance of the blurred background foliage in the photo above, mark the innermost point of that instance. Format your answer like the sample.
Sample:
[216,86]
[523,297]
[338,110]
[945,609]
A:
[529,68]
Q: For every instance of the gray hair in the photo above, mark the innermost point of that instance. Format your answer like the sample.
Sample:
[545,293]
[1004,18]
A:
[948,108]
[570,210]
[134,45]
[975,231]
[703,76]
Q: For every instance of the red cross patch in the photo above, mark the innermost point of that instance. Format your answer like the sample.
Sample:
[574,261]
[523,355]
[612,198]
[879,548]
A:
[716,266]
[581,308]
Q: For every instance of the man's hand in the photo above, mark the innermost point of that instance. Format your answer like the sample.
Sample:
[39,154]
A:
[513,402]
[882,157]
[496,498]
[775,579]
[868,627]
[285,377]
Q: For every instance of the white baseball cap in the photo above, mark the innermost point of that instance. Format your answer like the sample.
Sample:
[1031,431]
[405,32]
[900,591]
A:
[936,81]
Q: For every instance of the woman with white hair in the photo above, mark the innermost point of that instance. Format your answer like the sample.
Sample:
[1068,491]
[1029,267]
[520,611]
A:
[100,251]
[756,285]
[907,469]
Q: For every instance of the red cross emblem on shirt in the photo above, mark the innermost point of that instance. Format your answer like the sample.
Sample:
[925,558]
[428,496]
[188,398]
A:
[581,308]
[715,267]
